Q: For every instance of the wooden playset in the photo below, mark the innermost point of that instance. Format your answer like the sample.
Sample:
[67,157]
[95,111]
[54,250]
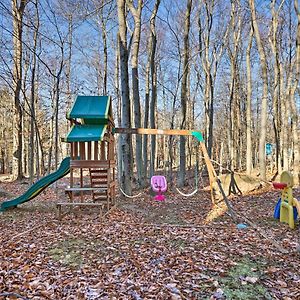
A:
[92,153]
[91,163]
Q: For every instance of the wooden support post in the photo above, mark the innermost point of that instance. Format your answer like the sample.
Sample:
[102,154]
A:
[75,150]
[96,149]
[210,168]
[59,212]
[72,151]
[89,150]
[82,157]
[71,182]
[102,153]
[81,183]
[82,150]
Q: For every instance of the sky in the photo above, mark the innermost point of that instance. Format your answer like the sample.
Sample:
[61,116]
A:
[87,51]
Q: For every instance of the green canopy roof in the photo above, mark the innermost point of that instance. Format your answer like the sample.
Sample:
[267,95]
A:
[86,133]
[92,109]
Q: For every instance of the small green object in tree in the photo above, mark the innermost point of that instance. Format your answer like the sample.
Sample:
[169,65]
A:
[198,135]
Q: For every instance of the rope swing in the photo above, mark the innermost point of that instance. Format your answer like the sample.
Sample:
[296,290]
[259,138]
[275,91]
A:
[187,195]
[128,196]
[196,184]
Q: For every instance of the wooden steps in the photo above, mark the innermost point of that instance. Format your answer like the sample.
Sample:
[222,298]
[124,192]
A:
[100,178]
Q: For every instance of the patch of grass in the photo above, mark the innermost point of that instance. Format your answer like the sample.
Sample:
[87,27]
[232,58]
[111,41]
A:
[68,252]
[238,285]
[9,217]
[74,252]
[174,219]
[178,244]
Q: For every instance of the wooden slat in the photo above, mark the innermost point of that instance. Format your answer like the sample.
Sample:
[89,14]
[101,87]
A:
[99,181]
[103,176]
[81,184]
[78,204]
[89,150]
[89,164]
[84,189]
[154,131]
[102,151]
[82,150]
[104,194]
[96,149]
[100,199]
[100,186]
[72,151]
[71,182]
[75,149]
[99,171]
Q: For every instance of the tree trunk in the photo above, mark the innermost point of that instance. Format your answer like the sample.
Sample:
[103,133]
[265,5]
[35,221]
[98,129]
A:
[69,61]
[210,52]
[18,8]
[153,87]
[33,99]
[234,98]
[117,91]
[295,113]
[264,101]
[152,112]
[249,158]
[276,87]
[150,67]
[105,55]
[126,145]
[184,92]
[56,130]
[146,113]
[136,12]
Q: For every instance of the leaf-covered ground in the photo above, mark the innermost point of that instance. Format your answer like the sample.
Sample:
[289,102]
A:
[146,250]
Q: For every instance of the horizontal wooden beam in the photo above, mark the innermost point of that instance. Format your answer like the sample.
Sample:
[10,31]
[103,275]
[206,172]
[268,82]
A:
[154,131]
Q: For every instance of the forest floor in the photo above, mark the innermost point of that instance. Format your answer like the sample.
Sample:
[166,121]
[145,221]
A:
[146,250]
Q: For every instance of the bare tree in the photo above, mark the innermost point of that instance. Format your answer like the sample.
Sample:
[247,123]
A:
[151,49]
[264,100]
[294,109]
[125,141]
[33,94]
[210,52]
[153,70]
[276,86]
[18,8]
[234,125]
[136,12]
[249,160]
[184,89]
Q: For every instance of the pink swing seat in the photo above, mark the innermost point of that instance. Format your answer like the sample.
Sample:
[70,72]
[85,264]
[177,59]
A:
[159,186]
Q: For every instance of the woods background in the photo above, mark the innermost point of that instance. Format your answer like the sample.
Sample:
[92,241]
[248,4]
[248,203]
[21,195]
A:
[228,68]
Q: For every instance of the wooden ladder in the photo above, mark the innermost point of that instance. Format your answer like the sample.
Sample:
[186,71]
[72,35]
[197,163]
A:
[100,180]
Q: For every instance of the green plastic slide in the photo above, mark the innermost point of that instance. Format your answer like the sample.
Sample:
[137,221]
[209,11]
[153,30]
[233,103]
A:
[39,186]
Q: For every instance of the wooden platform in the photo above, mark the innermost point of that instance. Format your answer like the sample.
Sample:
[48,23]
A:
[99,195]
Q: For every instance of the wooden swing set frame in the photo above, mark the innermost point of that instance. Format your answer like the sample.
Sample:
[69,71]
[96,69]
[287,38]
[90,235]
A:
[202,148]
